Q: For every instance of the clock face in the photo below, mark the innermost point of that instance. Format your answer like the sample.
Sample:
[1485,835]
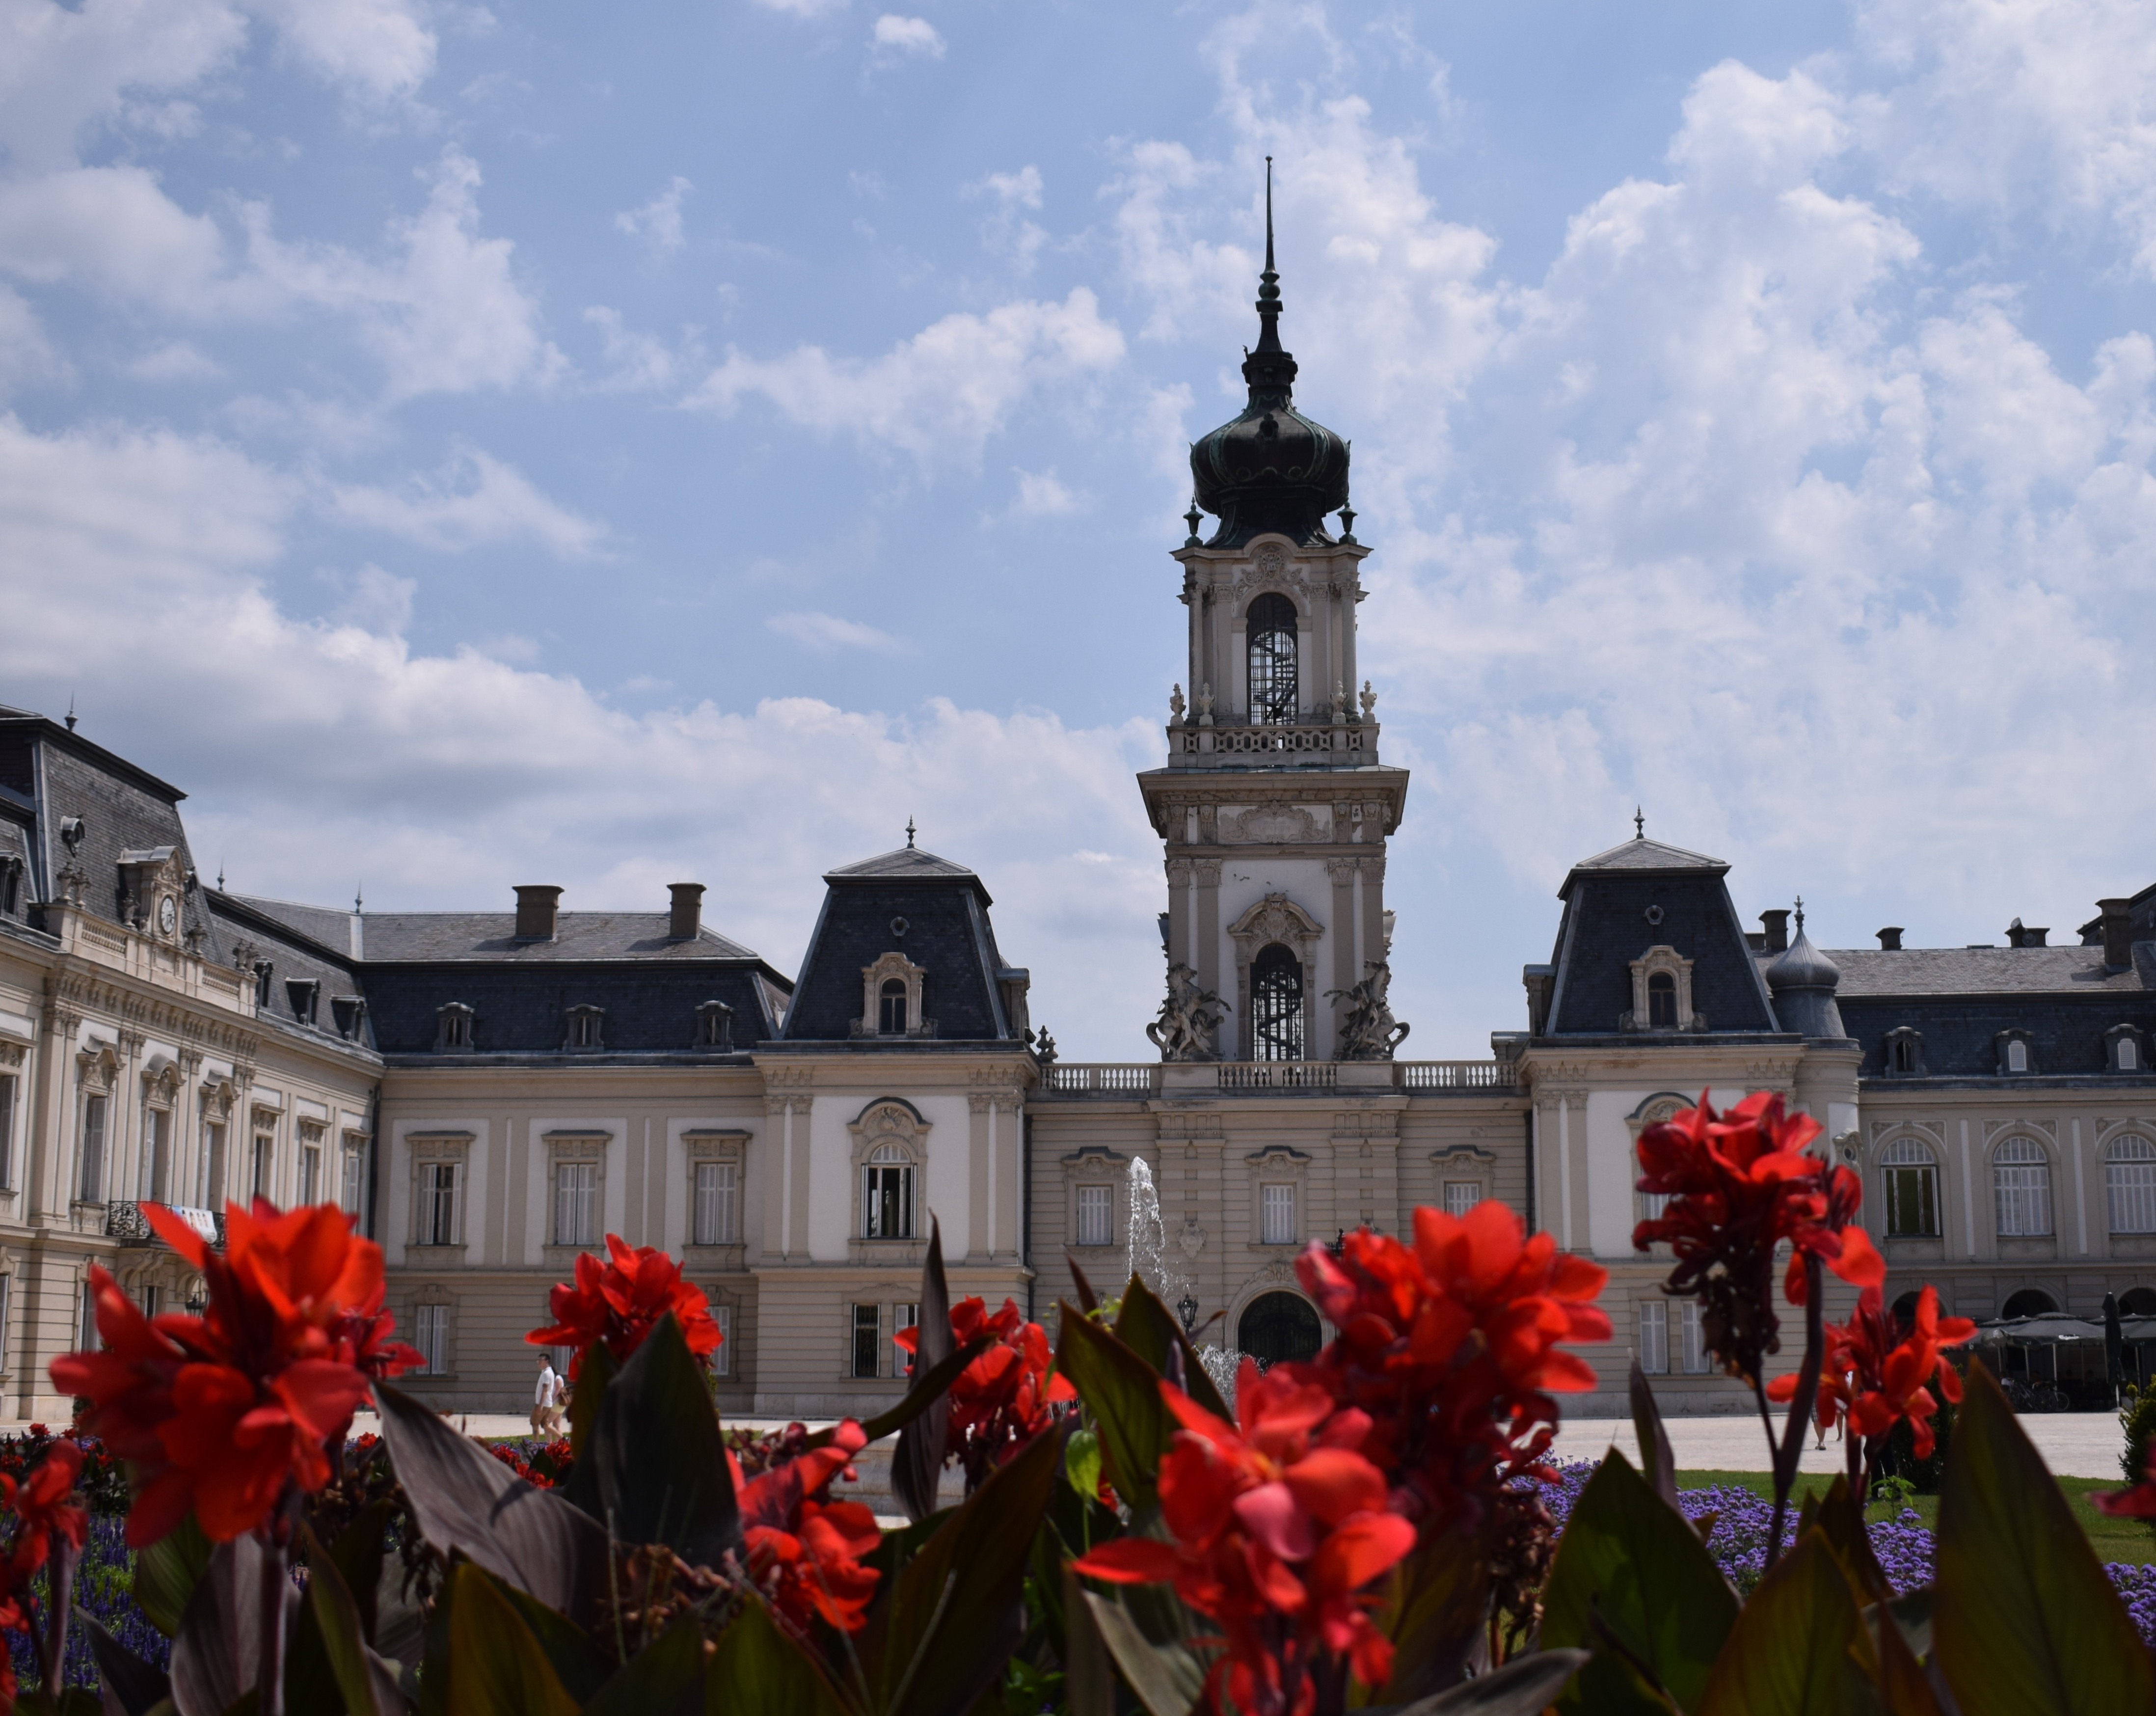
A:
[168,914]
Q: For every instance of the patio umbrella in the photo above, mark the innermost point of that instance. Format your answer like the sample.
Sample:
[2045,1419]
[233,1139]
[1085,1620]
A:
[2114,1344]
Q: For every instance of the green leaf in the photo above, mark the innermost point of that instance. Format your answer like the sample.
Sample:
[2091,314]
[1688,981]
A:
[955,1612]
[1433,1605]
[2024,1619]
[1630,1568]
[495,1666]
[1836,1515]
[1149,1329]
[1658,1464]
[664,1679]
[1800,1647]
[916,1465]
[654,1469]
[758,1670]
[465,1499]
[167,1572]
[595,1374]
[1122,1392]
[1166,1675]
[1082,1462]
[1523,1686]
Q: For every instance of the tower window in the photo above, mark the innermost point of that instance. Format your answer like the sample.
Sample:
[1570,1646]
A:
[1275,1005]
[1661,1001]
[1273,686]
[887,1195]
[891,1007]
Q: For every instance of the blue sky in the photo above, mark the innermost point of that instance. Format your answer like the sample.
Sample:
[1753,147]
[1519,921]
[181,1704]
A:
[468,445]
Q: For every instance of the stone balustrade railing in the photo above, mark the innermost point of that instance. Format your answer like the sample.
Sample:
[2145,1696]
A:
[1143,1078]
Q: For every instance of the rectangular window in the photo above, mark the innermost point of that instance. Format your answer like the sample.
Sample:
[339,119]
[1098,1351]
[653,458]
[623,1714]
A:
[7,1135]
[1276,1217]
[93,1150]
[902,1317]
[1912,1202]
[430,1335]
[153,1299]
[150,1175]
[259,1178]
[85,1331]
[868,1342]
[439,1185]
[718,1203]
[211,1193]
[310,1173]
[887,1202]
[1095,1215]
[577,1203]
[722,1360]
[1695,1339]
[1654,1336]
[6,1298]
[1461,1195]
[2130,1181]
[2023,1196]
[354,1181]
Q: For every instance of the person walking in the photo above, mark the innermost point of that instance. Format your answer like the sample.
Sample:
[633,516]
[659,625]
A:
[558,1404]
[543,1396]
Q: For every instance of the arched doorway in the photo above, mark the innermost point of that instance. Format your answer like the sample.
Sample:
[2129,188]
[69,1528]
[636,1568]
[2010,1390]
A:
[2030,1302]
[1905,1312]
[1277,1326]
[2138,1301]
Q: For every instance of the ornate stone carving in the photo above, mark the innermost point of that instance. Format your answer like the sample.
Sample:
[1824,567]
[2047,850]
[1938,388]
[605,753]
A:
[1188,1017]
[1272,823]
[1368,1031]
[1270,561]
[1192,1239]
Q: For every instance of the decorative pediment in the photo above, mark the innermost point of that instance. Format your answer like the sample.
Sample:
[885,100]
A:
[1275,918]
[1273,823]
[1663,962]
[905,1012]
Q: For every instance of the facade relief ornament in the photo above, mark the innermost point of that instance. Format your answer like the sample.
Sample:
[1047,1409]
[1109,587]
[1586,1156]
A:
[1188,1017]
[1192,1239]
[1273,823]
[1368,1031]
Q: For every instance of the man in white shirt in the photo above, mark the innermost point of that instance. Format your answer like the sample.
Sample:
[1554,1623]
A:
[543,1397]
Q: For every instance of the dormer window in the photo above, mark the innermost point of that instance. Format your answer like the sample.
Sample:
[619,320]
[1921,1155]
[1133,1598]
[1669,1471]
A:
[2016,1054]
[584,1023]
[1661,1001]
[2129,1056]
[305,994]
[891,1007]
[1905,1051]
[452,1026]
[893,999]
[263,968]
[714,1026]
[1273,660]
[2126,1048]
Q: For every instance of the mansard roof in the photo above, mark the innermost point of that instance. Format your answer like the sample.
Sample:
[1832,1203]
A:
[904,864]
[1642,856]
[1913,972]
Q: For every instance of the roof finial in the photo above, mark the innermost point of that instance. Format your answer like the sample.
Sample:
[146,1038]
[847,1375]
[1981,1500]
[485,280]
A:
[1269,214]
[359,896]
[1638,824]
[909,834]
[70,714]
[1800,914]
[220,876]
[1268,297]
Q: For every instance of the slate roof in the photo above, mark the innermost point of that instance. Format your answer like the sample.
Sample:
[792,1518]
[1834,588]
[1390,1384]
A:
[1642,853]
[441,937]
[904,863]
[1988,971]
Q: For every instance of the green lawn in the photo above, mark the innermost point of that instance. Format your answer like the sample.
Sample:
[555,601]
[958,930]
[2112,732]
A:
[2115,1539]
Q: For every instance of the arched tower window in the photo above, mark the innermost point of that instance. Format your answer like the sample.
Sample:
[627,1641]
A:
[1661,1001]
[890,1020]
[1275,1005]
[1273,687]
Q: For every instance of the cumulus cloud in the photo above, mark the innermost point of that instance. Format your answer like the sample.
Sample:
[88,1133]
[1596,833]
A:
[176,360]
[27,357]
[938,395]
[825,633]
[657,222]
[895,35]
[1042,495]
[1006,229]
[475,501]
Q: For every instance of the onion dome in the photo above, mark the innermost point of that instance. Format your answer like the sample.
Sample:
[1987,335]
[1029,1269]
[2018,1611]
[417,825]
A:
[1803,981]
[1272,468]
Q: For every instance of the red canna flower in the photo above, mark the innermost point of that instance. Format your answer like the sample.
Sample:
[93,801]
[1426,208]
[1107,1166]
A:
[1739,1184]
[219,1412]
[1278,1523]
[1874,1380]
[2139,1503]
[804,1548]
[1451,1347]
[44,1508]
[620,1301]
[1002,1400]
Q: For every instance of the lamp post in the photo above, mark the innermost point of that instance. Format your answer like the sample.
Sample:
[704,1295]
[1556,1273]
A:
[1186,1308]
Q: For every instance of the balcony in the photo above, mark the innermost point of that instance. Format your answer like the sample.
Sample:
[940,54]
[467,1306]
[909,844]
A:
[124,1221]
[1145,1078]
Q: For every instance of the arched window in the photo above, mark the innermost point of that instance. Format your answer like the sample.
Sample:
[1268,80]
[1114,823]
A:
[2129,1056]
[2139,1301]
[2021,1180]
[2017,1055]
[890,1014]
[887,1195]
[1275,1005]
[1661,1001]
[1277,1326]
[2030,1302]
[1913,1190]
[2129,1177]
[1271,622]
[1902,1051]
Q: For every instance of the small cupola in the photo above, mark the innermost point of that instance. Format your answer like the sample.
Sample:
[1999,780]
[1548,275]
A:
[1803,983]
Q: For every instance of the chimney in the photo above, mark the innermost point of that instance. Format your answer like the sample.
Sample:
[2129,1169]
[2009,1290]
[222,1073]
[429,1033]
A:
[687,911]
[1890,939]
[2118,934]
[2021,935]
[1778,931]
[534,913]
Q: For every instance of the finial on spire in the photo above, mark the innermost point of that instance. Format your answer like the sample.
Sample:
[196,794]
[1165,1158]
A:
[909,834]
[1800,914]
[1268,297]
[1192,518]
[1269,214]
[220,876]
[1638,824]
[70,714]
[359,896]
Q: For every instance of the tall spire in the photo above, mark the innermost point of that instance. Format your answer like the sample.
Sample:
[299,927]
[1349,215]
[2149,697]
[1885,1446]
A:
[1279,373]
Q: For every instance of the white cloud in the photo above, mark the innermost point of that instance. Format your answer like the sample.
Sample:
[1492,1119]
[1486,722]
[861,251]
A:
[657,222]
[473,500]
[803,8]
[1022,188]
[635,362]
[1042,495]
[113,230]
[907,35]
[826,632]
[938,395]
[176,360]
[1007,230]
[378,48]
[27,356]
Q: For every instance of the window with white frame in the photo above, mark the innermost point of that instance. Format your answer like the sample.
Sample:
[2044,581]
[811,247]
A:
[1276,1214]
[867,1331]
[8,1084]
[2017,1055]
[2128,1055]
[718,1203]
[1654,1336]
[577,1203]
[440,1189]
[94,1111]
[86,1321]
[352,1187]
[1913,1190]
[2021,1184]
[261,1176]
[210,1189]
[1695,1339]
[903,1317]
[2129,1184]
[430,1335]
[585,1025]
[310,1173]
[722,1356]
[6,1303]
[1096,1215]
[887,1195]
[1461,1195]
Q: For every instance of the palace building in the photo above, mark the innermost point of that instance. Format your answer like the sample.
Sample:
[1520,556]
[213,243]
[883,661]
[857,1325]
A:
[491,1092]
